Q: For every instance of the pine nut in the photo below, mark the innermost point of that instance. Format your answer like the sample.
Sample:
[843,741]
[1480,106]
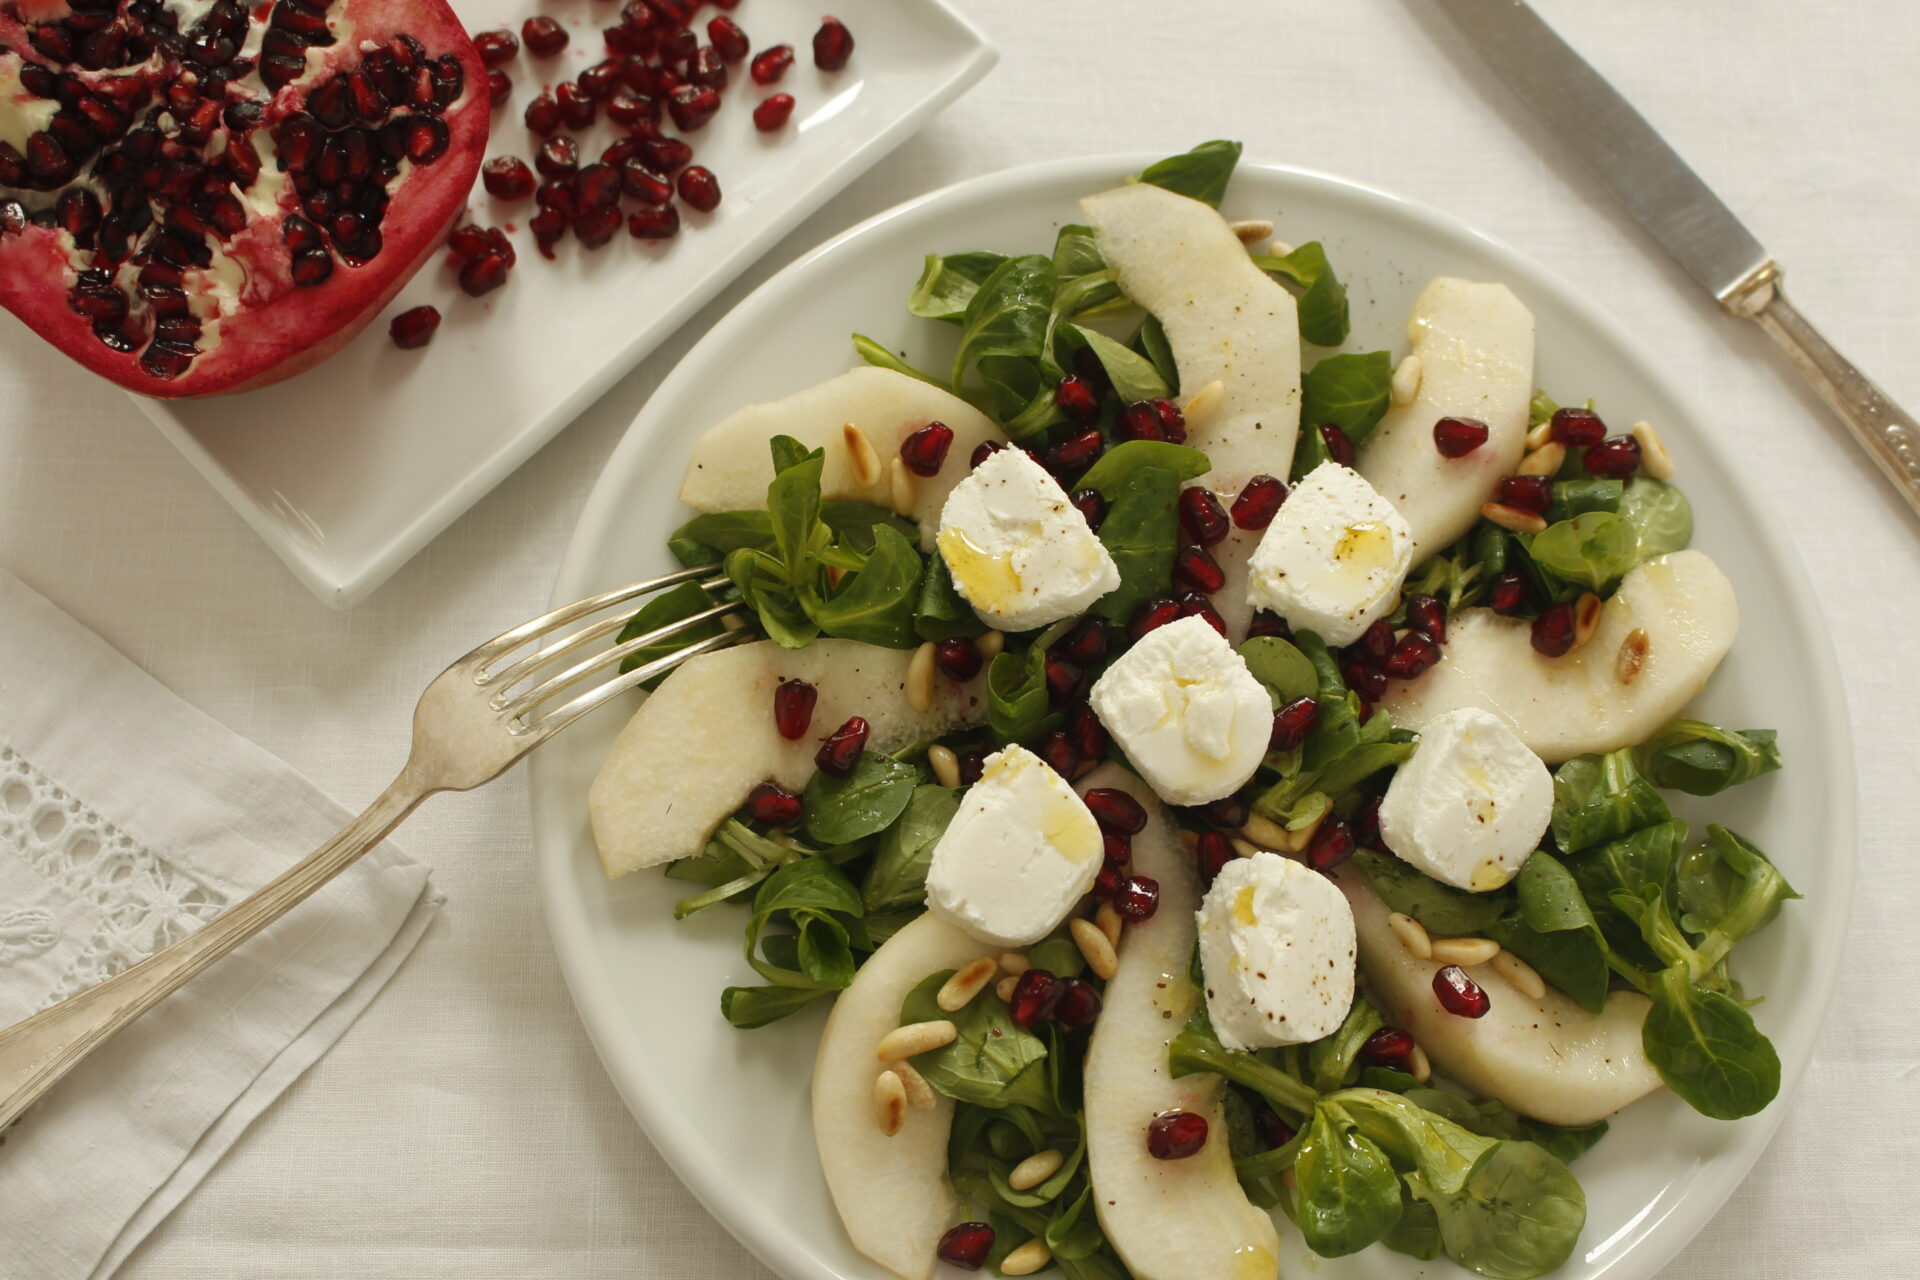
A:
[1094,946]
[1412,935]
[919,1092]
[1278,248]
[1654,458]
[1200,405]
[1632,656]
[1252,230]
[990,645]
[1586,618]
[945,764]
[1465,952]
[1265,832]
[1015,962]
[1107,920]
[1004,989]
[903,486]
[1540,435]
[1418,1067]
[1035,1169]
[920,678]
[865,462]
[1544,461]
[1520,975]
[1407,376]
[1298,840]
[915,1039]
[1513,518]
[1245,848]
[1027,1259]
[889,1102]
[957,992]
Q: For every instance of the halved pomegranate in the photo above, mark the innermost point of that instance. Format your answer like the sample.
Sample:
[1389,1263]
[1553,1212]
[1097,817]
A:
[203,209]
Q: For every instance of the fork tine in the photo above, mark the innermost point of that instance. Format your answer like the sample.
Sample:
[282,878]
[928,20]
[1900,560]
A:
[565,714]
[505,679]
[507,641]
[521,703]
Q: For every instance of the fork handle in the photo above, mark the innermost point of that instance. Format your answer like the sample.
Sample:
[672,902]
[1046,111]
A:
[35,1054]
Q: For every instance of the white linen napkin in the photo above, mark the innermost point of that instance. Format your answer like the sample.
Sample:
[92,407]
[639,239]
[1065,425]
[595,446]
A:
[127,819]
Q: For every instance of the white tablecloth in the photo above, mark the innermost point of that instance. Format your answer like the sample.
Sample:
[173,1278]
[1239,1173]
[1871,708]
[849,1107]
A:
[464,1128]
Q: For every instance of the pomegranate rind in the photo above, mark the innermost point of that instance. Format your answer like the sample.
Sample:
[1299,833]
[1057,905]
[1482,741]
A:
[1168,1219]
[892,1193]
[292,329]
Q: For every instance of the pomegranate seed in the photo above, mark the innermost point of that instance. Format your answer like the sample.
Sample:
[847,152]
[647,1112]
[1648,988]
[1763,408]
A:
[1507,594]
[469,241]
[1063,681]
[925,451]
[972,765]
[1426,614]
[959,659]
[1274,1131]
[577,109]
[549,226]
[1076,453]
[1091,506]
[1577,428]
[1388,1046]
[1366,823]
[729,41]
[832,45]
[643,184]
[1458,437]
[1228,811]
[411,329]
[772,114]
[1269,624]
[1116,848]
[1175,1135]
[1259,502]
[1459,994]
[557,158]
[1058,751]
[1412,656]
[1528,493]
[1116,811]
[692,105]
[1086,643]
[678,45]
[1153,615]
[1195,605]
[773,804]
[507,178]
[1034,998]
[1213,851]
[1615,458]
[840,750]
[982,451]
[544,36]
[708,68]
[1202,516]
[1331,845]
[561,195]
[1364,678]
[484,274]
[599,80]
[1339,447]
[499,88]
[1077,400]
[1152,420]
[966,1246]
[1088,734]
[628,108]
[654,224]
[1293,722]
[1197,570]
[596,226]
[543,115]
[770,64]
[699,188]
[1078,1005]
[497,48]
[1376,641]
[1106,882]
[1138,898]
[1553,630]
[793,708]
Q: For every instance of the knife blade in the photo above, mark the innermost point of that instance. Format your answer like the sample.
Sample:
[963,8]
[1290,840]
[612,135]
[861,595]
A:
[1590,118]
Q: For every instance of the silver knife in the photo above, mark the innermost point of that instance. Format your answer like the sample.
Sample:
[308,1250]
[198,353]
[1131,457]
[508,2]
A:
[1668,199]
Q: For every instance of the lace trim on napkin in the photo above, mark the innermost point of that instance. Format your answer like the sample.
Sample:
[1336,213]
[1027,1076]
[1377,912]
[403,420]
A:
[141,901]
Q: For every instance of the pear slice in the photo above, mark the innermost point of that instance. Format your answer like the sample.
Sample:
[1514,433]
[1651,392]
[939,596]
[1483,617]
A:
[1475,346]
[1660,637]
[706,736]
[1547,1058]
[892,1192]
[1225,320]
[1232,554]
[731,466]
[1168,1219]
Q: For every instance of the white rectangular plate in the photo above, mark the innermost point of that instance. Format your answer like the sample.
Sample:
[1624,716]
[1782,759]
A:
[348,470]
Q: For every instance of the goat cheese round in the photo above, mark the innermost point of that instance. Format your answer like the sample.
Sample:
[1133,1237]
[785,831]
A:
[1333,560]
[1471,803]
[1277,947]
[1019,552]
[1019,854]
[1190,716]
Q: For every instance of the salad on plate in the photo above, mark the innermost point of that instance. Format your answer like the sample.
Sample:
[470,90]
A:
[1220,780]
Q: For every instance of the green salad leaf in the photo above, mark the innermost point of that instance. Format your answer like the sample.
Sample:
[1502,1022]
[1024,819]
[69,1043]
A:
[1200,174]
[1140,480]
[863,803]
[1351,390]
[994,1062]
[1703,759]
[1323,299]
[897,877]
[1597,798]
[947,284]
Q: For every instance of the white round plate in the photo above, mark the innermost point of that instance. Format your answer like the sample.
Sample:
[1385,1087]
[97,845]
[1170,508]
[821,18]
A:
[728,1109]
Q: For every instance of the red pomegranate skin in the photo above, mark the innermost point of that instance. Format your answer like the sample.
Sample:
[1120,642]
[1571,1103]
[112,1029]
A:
[280,329]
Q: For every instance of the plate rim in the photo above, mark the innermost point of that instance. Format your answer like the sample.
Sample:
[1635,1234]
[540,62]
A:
[342,586]
[1657,1240]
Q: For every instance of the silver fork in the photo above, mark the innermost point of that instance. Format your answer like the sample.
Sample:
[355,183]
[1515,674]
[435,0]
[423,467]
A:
[475,720]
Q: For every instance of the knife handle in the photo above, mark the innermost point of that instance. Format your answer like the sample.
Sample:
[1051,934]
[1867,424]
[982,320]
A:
[1887,432]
